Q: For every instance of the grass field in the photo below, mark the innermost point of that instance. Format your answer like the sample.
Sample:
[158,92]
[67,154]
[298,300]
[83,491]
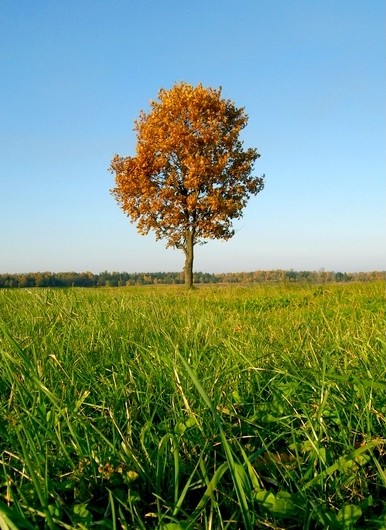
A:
[220,408]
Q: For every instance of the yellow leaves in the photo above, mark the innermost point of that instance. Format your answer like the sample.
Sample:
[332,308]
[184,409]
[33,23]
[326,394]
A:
[190,169]
[191,202]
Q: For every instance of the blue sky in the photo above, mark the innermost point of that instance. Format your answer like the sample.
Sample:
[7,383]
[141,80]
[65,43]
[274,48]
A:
[310,73]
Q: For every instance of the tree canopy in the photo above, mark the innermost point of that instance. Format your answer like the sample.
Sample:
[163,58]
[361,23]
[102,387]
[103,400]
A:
[190,176]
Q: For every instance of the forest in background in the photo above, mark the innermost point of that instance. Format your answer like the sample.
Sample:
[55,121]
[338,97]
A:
[121,279]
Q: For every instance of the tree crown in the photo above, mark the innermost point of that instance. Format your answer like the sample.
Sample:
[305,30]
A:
[190,176]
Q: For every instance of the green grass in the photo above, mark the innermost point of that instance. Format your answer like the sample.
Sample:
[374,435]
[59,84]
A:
[220,408]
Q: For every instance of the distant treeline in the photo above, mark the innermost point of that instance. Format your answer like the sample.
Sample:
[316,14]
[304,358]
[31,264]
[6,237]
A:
[118,279]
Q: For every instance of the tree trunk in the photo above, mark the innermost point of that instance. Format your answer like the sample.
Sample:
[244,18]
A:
[189,260]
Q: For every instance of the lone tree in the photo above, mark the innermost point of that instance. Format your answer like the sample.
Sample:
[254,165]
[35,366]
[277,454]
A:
[191,176]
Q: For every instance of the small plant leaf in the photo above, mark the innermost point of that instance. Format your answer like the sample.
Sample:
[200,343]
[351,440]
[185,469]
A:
[265,498]
[348,515]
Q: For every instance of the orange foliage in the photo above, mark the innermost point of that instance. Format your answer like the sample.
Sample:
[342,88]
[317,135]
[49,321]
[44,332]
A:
[190,176]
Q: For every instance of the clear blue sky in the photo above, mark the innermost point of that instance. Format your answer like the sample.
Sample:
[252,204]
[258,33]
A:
[311,75]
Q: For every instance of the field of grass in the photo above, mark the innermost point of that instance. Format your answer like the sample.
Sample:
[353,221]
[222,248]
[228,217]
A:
[220,408]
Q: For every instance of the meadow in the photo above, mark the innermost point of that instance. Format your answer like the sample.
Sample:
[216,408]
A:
[224,407]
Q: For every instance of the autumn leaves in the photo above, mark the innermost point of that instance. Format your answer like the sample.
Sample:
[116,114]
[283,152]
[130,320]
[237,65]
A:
[191,176]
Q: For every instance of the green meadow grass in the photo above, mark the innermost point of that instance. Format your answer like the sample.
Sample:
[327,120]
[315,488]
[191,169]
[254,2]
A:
[218,408]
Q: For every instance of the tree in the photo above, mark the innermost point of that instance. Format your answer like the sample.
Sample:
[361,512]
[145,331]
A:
[191,176]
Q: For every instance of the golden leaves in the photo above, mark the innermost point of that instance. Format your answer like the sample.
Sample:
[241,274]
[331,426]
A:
[190,171]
